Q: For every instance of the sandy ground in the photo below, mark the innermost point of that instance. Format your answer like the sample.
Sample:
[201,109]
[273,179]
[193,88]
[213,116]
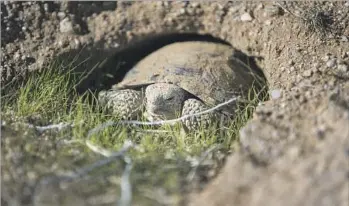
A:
[295,149]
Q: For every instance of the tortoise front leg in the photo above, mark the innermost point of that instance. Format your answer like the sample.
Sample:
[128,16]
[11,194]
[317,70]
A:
[193,106]
[127,103]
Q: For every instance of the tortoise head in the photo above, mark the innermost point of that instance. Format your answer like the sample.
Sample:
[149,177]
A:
[165,100]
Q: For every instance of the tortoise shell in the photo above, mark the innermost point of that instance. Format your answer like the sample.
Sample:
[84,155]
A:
[207,70]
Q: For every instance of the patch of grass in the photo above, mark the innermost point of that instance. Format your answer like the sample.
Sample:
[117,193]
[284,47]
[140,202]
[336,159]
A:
[164,157]
[50,97]
[313,16]
[42,94]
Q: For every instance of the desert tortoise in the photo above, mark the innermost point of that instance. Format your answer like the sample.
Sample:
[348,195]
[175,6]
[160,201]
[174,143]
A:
[179,79]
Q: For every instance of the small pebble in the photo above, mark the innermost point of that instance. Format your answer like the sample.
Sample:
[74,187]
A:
[342,68]
[16,56]
[275,94]
[271,11]
[326,58]
[195,4]
[115,45]
[190,11]
[77,42]
[246,17]
[344,39]
[63,43]
[316,65]
[46,7]
[267,22]
[182,11]
[315,70]
[331,63]
[233,9]
[307,73]
[66,26]
[61,15]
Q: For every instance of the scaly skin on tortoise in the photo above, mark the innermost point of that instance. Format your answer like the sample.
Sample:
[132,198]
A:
[180,78]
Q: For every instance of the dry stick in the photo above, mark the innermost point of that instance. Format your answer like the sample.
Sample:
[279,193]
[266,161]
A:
[287,10]
[153,131]
[107,153]
[172,121]
[160,122]
[85,170]
[126,187]
[192,173]
[58,126]
[63,125]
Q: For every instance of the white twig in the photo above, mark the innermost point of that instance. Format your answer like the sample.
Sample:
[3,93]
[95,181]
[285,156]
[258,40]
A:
[199,162]
[287,10]
[87,169]
[153,131]
[126,187]
[161,122]
[172,121]
[110,157]
[58,126]
[105,152]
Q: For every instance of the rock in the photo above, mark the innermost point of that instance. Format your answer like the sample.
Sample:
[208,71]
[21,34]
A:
[271,11]
[61,15]
[16,56]
[77,42]
[307,73]
[275,94]
[195,4]
[66,26]
[246,17]
[291,70]
[268,22]
[331,63]
[342,68]
[327,57]
[182,11]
